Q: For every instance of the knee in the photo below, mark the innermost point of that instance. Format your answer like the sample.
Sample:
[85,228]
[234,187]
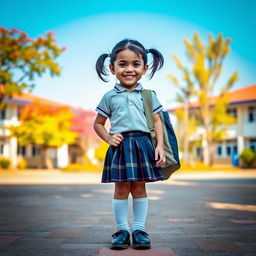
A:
[138,189]
[122,190]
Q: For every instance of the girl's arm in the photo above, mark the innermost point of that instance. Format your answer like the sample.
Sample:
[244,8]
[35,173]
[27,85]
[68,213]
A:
[159,151]
[99,127]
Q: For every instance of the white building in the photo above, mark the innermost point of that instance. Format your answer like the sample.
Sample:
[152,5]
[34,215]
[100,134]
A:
[9,147]
[241,135]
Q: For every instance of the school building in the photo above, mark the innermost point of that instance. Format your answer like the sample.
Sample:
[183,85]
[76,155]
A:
[61,156]
[240,135]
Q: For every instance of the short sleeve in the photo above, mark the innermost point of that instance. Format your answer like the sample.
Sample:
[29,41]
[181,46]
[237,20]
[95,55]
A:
[157,107]
[103,108]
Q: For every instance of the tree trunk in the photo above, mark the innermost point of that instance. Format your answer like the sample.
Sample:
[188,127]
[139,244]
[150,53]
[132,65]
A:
[45,161]
[185,135]
[205,147]
[205,121]
[212,151]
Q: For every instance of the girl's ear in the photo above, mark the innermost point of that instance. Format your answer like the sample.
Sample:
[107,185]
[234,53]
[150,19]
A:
[145,69]
[111,67]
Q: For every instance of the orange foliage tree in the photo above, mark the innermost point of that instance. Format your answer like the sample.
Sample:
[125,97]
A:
[44,125]
[22,58]
[83,125]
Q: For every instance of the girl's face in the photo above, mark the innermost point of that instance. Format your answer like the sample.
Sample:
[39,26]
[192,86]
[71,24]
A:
[128,68]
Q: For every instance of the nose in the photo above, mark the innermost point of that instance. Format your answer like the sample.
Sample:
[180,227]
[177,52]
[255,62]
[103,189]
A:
[129,68]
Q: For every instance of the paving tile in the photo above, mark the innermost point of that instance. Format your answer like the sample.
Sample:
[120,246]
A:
[243,221]
[218,245]
[198,252]
[66,232]
[250,246]
[131,252]
[56,221]
[197,230]
[37,244]
[183,244]
[89,220]
[76,252]
[19,227]
[24,234]
[26,253]
[182,220]
[8,239]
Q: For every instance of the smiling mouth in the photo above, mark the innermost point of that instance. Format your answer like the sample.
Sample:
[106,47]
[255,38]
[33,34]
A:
[129,76]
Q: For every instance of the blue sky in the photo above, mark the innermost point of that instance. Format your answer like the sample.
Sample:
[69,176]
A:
[89,29]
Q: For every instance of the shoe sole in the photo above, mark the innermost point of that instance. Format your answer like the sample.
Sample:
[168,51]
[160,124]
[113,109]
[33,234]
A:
[141,246]
[119,246]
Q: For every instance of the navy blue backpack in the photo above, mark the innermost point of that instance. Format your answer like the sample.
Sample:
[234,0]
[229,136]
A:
[170,141]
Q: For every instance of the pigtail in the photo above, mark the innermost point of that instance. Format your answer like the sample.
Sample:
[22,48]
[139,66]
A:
[158,61]
[100,67]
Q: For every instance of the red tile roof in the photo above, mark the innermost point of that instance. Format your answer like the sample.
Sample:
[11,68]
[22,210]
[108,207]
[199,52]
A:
[238,96]
[243,94]
[27,98]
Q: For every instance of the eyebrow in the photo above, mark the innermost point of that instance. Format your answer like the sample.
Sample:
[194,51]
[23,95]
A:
[126,61]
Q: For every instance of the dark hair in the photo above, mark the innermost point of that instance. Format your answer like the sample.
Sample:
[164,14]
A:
[134,46]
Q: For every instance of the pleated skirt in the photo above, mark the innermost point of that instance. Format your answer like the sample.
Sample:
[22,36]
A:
[132,160]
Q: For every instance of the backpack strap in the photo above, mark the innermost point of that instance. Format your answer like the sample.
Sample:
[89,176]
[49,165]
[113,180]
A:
[148,108]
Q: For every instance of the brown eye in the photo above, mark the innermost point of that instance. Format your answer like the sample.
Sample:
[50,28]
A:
[136,64]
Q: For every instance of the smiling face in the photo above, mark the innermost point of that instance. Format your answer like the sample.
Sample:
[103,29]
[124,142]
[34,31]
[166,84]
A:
[128,68]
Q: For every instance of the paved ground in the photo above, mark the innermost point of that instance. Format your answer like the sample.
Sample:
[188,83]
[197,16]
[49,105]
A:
[192,216]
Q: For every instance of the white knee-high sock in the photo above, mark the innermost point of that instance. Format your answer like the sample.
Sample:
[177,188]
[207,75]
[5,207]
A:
[120,209]
[140,212]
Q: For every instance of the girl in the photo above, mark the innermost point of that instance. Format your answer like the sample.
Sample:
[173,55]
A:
[131,159]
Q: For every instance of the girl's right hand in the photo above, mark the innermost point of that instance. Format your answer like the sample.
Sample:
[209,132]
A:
[115,139]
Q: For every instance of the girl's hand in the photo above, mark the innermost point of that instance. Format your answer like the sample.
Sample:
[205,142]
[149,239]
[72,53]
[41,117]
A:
[159,156]
[115,139]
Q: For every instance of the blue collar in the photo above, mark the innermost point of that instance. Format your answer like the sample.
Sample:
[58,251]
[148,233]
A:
[119,88]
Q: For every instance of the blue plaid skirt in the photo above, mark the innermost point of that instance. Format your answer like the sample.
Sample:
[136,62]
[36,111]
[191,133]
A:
[132,160]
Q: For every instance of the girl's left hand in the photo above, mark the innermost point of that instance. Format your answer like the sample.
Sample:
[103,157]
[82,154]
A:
[159,156]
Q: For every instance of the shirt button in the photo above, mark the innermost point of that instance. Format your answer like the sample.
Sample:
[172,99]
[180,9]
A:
[130,100]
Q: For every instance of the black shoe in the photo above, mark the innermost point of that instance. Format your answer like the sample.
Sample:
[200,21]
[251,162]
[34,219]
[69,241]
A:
[121,240]
[140,240]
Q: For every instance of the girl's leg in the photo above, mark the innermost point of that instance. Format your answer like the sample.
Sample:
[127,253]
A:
[120,205]
[122,190]
[140,205]
[138,189]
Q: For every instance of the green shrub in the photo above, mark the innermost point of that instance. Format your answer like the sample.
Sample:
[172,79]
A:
[247,157]
[5,163]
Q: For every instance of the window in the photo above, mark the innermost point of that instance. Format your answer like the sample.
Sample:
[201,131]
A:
[21,150]
[2,114]
[232,112]
[219,150]
[228,150]
[35,150]
[1,147]
[252,114]
[252,144]
[231,149]
[198,152]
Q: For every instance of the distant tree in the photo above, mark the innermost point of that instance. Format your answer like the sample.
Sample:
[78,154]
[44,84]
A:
[101,151]
[44,125]
[22,58]
[199,82]
[87,139]
[185,128]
